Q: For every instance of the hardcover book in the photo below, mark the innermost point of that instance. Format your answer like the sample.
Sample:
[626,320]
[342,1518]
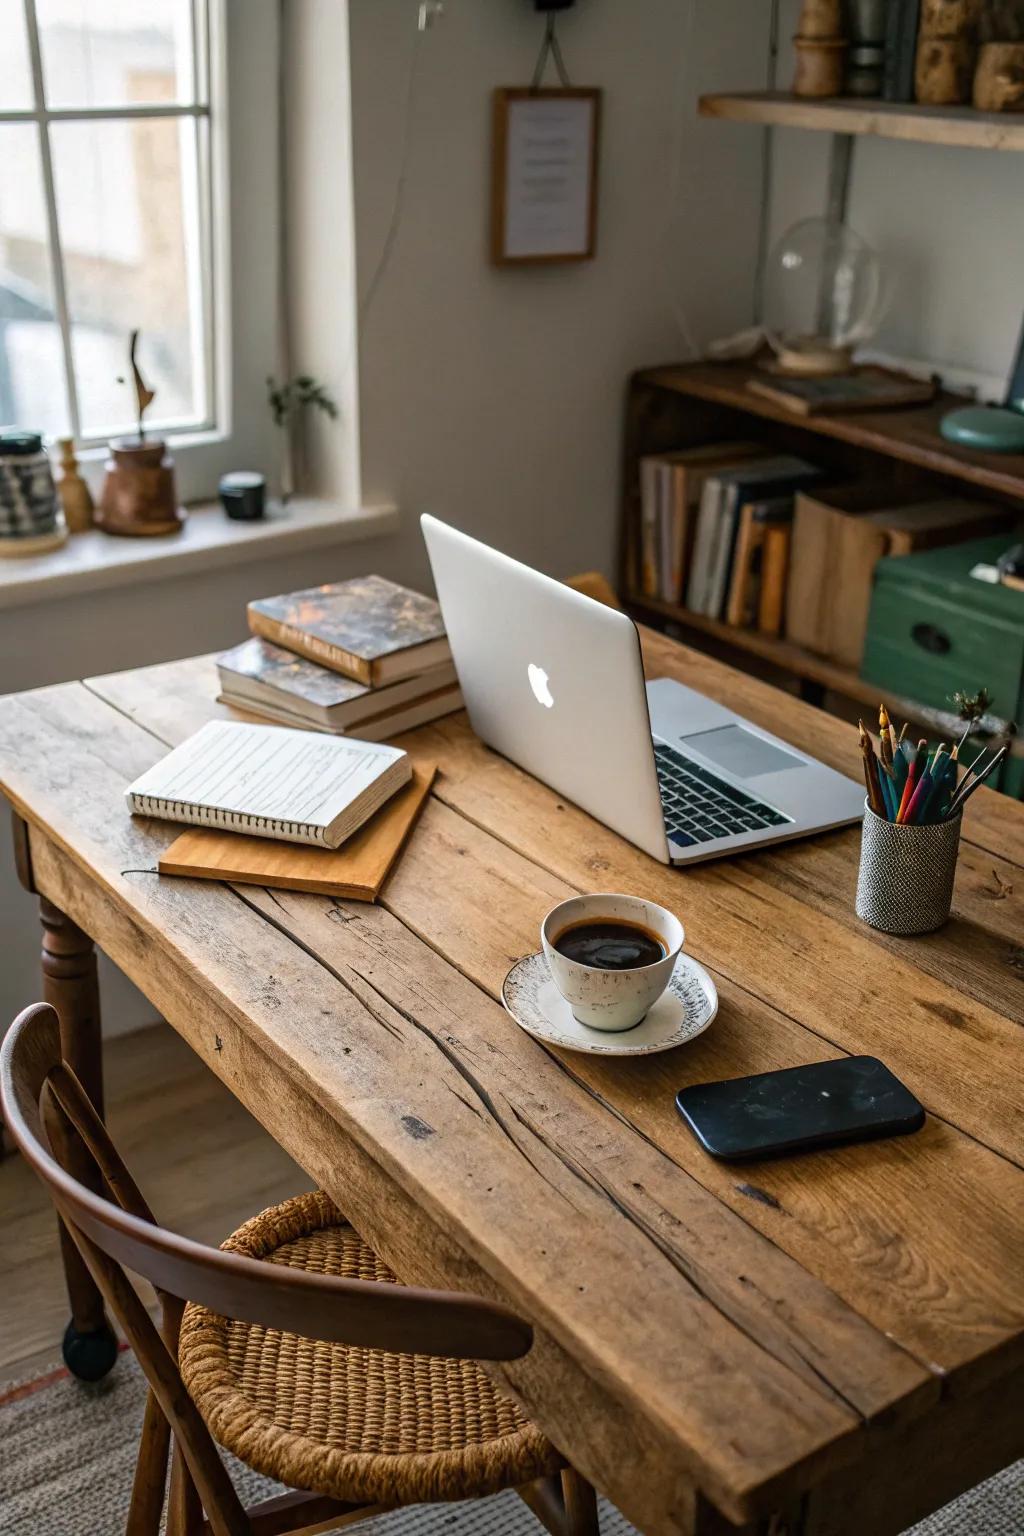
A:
[866,389]
[264,677]
[405,717]
[368,628]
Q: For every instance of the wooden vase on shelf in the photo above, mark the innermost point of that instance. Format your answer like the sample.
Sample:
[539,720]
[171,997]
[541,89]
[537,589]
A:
[999,78]
[819,66]
[75,496]
[139,498]
[943,71]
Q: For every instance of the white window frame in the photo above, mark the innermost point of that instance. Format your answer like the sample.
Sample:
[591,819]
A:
[235,96]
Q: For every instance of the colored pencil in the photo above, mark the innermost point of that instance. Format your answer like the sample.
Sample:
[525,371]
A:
[913,774]
[914,813]
[874,789]
[889,792]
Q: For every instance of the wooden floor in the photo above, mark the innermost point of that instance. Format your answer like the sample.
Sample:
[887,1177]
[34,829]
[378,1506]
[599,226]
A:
[202,1162]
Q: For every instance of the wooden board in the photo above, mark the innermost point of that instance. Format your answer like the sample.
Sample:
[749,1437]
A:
[704,1335]
[879,119]
[357,870]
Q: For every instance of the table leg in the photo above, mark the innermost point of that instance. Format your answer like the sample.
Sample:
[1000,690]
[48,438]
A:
[70,985]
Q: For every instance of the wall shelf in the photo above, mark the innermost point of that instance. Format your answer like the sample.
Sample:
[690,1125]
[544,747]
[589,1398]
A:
[961,126]
[909,434]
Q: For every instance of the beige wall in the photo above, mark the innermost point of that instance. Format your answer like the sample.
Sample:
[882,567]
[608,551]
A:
[494,397]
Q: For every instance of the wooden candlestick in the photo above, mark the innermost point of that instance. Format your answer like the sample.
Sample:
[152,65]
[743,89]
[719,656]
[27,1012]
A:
[75,496]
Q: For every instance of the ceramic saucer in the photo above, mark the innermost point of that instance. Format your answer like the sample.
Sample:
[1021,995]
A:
[683,1011]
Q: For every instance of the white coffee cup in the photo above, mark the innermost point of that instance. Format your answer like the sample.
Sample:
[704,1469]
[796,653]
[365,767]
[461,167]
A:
[611,1000]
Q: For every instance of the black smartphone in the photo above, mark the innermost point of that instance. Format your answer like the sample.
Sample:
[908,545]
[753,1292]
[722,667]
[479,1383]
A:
[853,1098]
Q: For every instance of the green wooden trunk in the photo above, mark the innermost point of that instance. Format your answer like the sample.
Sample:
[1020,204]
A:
[935,629]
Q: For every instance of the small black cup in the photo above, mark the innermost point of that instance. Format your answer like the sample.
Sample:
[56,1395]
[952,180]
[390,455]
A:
[242,495]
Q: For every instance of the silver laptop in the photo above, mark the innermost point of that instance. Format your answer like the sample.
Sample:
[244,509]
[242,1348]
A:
[554,681]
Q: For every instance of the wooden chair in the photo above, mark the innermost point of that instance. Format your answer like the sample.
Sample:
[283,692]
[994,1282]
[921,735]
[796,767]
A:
[293,1346]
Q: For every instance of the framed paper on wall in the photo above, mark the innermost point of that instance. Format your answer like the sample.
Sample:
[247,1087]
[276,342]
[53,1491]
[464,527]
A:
[544,175]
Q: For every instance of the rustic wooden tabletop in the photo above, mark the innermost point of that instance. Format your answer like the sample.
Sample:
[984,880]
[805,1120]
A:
[820,1344]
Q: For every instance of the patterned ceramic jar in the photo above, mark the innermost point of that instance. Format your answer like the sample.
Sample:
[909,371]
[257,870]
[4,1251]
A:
[30,513]
[905,884]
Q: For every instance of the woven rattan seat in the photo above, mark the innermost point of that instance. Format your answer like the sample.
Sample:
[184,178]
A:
[356,1424]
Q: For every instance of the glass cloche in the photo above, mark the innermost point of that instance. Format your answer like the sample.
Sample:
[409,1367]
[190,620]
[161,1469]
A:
[824,294]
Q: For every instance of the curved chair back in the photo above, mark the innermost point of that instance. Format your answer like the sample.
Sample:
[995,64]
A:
[39,1094]
[358,1312]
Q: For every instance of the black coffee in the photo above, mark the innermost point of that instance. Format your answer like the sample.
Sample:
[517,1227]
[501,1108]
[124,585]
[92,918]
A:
[610,944]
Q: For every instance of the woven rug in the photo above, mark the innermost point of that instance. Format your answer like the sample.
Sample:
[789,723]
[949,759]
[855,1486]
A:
[67,1453]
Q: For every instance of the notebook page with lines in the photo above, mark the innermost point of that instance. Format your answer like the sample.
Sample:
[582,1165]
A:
[298,786]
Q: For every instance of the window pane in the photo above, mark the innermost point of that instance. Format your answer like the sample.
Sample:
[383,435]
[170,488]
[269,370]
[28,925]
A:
[15,72]
[127,205]
[109,53]
[32,386]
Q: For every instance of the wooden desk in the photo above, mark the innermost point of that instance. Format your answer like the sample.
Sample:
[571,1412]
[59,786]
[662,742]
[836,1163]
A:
[824,1344]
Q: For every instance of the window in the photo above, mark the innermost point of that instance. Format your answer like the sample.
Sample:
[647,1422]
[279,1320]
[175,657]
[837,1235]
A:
[105,215]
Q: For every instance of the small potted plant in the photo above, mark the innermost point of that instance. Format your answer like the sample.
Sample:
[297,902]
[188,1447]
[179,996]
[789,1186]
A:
[139,497]
[289,403]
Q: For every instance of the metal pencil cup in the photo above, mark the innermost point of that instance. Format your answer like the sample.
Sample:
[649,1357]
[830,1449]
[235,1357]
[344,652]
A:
[905,884]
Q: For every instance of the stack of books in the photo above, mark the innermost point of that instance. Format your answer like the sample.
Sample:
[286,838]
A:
[365,658]
[715,530]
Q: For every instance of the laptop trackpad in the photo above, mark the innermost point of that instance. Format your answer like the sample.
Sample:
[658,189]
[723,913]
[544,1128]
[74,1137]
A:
[741,752]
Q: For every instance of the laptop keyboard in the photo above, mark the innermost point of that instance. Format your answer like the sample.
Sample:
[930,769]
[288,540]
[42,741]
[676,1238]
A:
[699,806]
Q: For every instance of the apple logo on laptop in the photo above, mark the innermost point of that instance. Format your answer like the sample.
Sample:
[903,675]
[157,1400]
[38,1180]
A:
[539,683]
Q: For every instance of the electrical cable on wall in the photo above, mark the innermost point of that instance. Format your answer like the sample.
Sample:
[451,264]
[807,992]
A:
[429,11]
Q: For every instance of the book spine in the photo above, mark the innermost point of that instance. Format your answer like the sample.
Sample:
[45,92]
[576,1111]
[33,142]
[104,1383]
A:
[774,569]
[894,23]
[304,644]
[706,518]
[908,50]
[679,521]
[648,528]
[723,553]
[224,821]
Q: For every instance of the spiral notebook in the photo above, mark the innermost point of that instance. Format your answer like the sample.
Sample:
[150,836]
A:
[296,786]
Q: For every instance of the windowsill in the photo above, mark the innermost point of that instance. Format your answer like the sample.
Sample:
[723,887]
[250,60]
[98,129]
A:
[94,561]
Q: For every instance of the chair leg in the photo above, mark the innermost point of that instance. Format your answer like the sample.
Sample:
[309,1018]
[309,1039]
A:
[580,1505]
[184,1506]
[150,1473]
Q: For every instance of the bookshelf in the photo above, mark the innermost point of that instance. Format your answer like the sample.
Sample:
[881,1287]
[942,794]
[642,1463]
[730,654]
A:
[960,126]
[683,406]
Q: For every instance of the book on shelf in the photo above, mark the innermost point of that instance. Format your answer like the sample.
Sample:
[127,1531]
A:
[670,491]
[771,605]
[295,786]
[380,727]
[901,27]
[718,519]
[265,678]
[756,517]
[368,628]
[865,389]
